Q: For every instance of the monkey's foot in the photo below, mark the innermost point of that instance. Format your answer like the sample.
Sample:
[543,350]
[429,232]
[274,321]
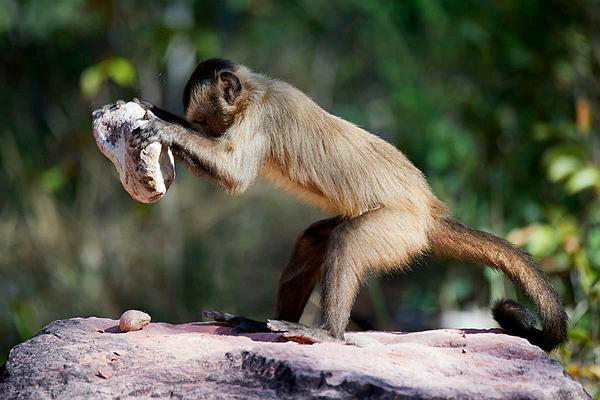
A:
[239,324]
[301,333]
[292,331]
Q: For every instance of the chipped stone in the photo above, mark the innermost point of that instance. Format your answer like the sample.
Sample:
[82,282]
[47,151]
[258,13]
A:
[145,173]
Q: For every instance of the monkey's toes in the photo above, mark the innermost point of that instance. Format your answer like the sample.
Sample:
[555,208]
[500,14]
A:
[301,333]
[239,324]
[278,325]
[217,315]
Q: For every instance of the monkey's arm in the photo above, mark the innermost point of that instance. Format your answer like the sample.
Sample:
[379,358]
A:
[162,114]
[225,159]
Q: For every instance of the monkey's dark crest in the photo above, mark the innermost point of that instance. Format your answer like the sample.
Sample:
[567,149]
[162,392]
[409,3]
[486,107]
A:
[240,125]
[205,73]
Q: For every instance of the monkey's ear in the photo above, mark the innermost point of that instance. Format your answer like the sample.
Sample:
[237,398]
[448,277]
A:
[231,86]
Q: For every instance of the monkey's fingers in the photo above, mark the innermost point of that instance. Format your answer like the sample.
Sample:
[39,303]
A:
[145,134]
[144,104]
[107,108]
[217,315]
[301,333]
[239,324]
[150,108]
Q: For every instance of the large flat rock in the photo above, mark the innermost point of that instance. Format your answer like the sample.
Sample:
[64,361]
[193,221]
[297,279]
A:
[88,358]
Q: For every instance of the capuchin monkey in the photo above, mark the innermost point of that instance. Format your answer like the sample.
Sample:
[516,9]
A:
[240,125]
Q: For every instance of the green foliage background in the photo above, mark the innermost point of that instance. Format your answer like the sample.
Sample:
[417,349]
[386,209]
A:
[497,102]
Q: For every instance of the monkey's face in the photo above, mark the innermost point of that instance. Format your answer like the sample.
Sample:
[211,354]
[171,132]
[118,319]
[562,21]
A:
[212,96]
[206,111]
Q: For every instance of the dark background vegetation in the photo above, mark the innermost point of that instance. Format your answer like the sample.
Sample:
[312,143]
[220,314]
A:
[497,102]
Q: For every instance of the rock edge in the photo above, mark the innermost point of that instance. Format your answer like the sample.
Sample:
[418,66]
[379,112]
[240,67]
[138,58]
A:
[87,358]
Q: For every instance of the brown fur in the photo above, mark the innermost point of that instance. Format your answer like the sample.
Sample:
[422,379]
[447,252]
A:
[387,214]
[302,272]
[454,240]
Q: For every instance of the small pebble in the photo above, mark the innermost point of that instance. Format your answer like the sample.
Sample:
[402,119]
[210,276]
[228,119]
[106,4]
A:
[133,320]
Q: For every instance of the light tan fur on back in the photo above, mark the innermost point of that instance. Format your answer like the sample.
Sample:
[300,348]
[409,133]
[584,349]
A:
[328,161]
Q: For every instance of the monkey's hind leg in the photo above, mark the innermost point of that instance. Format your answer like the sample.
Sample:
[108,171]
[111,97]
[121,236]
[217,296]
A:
[298,279]
[300,276]
[379,240]
[297,282]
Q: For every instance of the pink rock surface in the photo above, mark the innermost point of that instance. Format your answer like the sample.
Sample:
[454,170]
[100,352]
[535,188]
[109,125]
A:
[89,358]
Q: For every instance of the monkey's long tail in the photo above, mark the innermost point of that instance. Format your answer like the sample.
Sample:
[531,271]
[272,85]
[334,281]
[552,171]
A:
[454,240]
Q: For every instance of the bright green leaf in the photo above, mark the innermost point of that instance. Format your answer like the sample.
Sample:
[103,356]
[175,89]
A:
[562,166]
[90,81]
[120,70]
[579,334]
[543,241]
[53,179]
[583,179]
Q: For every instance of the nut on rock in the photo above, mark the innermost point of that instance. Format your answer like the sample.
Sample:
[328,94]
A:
[146,173]
[133,320]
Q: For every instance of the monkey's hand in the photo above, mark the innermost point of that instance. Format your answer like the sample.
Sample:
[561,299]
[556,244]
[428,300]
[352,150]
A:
[301,333]
[154,130]
[147,106]
[239,324]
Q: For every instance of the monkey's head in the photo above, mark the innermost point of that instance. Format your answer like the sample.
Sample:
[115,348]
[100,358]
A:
[213,96]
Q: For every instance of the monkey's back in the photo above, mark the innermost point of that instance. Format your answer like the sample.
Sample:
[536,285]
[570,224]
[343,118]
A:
[338,166]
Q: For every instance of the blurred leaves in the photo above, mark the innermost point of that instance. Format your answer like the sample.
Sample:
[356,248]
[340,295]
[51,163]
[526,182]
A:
[582,179]
[568,164]
[563,162]
[52,179]
[26,319]
[119,69]
[589,371]
[540,240]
